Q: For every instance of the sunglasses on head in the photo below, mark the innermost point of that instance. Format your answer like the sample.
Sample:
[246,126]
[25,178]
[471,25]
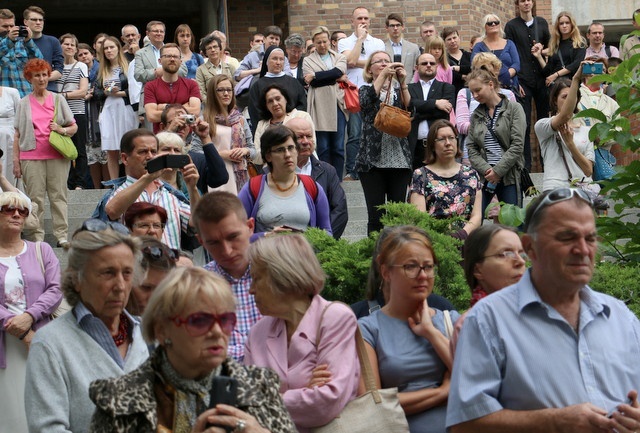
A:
[97,225]
[11,210]
[157,253]
[198,324]
[558,195]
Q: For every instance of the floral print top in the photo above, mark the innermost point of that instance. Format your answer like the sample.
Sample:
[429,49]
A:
[447,197]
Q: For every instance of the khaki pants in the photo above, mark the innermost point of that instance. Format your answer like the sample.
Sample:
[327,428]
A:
[48,176]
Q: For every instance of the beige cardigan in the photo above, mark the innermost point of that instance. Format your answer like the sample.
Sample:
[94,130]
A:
[24,124]
[207,71]
[319,99]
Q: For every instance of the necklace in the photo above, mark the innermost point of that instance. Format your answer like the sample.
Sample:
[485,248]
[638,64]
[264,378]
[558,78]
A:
[284,189]
[123,331]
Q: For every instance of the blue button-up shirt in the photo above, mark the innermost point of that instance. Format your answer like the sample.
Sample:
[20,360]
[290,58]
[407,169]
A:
[517,352]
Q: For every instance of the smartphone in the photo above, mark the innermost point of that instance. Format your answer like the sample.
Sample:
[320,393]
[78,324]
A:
[615,408]
[167,161]
[224,390]
[592,68]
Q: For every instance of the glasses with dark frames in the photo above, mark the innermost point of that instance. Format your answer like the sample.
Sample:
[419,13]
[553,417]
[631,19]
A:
[493,23]
[412,270]
[11,210]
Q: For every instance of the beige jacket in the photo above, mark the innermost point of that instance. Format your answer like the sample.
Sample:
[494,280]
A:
[207,71]
[319,99]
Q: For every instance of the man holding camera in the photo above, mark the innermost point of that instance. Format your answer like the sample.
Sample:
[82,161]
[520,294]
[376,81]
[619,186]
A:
[16,47]
[170,88]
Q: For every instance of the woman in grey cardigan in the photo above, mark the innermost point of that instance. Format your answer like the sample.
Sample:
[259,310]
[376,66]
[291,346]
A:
[42,168]
[496,139]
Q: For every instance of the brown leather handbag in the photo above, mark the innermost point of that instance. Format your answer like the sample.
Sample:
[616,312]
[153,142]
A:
[392,120]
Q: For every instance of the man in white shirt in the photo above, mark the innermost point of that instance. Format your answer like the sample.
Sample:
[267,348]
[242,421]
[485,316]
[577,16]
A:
[357,48]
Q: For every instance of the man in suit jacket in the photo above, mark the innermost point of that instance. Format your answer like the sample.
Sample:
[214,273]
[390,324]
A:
[431,99]
[322,172]
[399,48]
[147,60]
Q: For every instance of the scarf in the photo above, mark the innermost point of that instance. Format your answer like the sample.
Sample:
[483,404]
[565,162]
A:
[191,397]
[235,121]
[477,294]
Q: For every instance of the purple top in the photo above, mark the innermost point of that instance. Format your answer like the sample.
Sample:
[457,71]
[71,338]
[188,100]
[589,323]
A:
[42,291]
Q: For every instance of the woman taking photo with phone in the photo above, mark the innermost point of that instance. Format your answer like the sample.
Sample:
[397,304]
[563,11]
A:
[190,316]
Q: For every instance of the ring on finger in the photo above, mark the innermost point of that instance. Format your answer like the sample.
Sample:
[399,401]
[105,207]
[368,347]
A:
[240,425]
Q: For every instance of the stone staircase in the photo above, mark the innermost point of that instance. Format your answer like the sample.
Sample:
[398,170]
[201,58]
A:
[82,203]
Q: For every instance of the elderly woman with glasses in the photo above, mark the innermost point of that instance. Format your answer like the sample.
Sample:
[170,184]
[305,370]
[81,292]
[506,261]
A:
[97,339]
[445,188]
[406,339]
[190,315]
[309,341]
[29,294]
[283,200]
[146,219]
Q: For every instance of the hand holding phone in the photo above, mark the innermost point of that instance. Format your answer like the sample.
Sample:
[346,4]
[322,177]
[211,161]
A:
[224,390]
[167,161]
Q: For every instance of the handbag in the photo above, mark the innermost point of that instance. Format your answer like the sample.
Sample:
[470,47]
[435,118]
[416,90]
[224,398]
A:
[63,144]
[526,183]
[604,167]
[351,96]
[375,411]
[392,120]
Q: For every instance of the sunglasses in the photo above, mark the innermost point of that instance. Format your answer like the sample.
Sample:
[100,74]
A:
[11,210]
[97,225]
[558,195]
[198,324]
[428,63]
[493,23]
[156,253]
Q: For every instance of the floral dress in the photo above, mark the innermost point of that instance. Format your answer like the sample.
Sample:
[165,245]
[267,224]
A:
[447,197]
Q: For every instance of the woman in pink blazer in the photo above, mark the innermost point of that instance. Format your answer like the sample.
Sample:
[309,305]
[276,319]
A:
[307,340]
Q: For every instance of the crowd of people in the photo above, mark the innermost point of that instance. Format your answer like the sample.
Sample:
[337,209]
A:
[239,156]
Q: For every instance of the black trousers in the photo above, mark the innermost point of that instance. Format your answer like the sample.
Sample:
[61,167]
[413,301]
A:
[381,185]
[79,168]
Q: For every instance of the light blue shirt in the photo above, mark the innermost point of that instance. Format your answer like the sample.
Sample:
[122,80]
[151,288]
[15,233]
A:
[517,352]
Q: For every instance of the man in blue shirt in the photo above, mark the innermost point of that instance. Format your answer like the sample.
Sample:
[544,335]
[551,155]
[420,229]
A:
[15,51]
[49,46]
[549,354]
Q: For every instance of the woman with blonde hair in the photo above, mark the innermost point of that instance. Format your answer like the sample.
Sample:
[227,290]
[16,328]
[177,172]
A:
[436,47]
[494,42]
[117,115]
[567,48]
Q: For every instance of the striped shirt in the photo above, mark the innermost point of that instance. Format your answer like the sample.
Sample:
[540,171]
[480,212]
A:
[70,81]
[491,144]
[178,212]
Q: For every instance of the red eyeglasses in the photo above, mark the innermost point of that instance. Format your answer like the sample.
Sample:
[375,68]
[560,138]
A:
[198,324]
[10,210]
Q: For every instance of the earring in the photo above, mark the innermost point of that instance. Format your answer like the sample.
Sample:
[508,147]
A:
[167,342]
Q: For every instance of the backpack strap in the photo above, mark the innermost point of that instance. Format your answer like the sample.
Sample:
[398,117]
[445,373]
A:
[468,97]
[254,186]
[310,185]
[607,50]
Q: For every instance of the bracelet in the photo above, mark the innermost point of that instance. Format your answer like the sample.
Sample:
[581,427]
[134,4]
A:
[405,87]
[24,335]
[64,131]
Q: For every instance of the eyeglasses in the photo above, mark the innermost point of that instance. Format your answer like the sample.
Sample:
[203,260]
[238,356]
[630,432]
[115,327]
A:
[381,61]
[156,253]
[395,26]
[412,270]
[224,90]
[170,57]
[493,23]
[97,225]
[198,324]
[428,63]
[509,255]
[282,150]
[148,226]
[11,210]
[36,20]
[449,139]
[558,195]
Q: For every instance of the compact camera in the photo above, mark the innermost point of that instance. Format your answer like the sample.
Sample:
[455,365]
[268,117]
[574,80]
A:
[592,68]
[189,118]
[23,32]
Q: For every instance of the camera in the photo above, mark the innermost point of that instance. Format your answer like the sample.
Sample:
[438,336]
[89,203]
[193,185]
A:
[189,118]
[23,32]
[592,68]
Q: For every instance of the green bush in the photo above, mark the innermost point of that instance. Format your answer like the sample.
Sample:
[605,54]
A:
[620,281]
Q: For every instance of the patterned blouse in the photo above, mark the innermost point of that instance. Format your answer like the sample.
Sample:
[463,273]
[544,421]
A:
[447,197]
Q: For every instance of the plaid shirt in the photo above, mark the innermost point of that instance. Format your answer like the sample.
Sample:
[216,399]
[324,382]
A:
[13,57]
[246,308]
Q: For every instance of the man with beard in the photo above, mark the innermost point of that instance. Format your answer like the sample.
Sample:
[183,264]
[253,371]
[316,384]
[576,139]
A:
[170,88]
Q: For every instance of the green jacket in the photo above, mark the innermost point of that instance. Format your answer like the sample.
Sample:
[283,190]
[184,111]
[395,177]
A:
[510,128]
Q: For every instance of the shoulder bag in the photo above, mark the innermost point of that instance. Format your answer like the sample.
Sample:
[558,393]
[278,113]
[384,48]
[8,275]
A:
[351,96]
[604,167]
[62,143]
[527,186]
[376,411]
[392,120]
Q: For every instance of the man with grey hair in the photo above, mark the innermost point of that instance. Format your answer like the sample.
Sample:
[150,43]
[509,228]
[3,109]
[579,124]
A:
[131,41]
[549,354]
[295,47]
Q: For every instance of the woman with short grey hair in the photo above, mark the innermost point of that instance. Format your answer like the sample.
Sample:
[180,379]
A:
[96,339]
